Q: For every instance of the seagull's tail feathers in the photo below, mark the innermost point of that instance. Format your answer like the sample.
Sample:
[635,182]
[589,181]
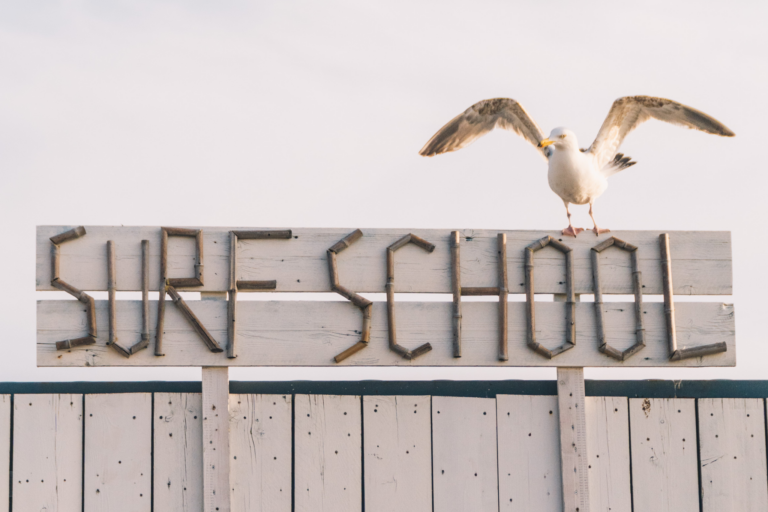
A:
[619,163]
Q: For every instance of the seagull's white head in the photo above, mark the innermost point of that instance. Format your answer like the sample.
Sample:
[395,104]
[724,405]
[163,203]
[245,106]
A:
[562,139]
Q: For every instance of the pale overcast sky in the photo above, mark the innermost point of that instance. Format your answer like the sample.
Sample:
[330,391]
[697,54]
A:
[257,113]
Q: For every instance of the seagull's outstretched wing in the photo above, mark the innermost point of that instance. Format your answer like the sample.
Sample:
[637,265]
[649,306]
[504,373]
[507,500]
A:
[481,118]
[629,112]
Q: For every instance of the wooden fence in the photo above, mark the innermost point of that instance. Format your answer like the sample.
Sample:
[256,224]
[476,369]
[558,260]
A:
[142,451]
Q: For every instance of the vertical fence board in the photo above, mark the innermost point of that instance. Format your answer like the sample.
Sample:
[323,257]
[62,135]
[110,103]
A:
[732,450]
[465,473]
[608,451]
[328,452]
[664,459]
[260,452]
[5,450]
[48,452]
[529,453]
[178,452]
[118,447]
[398,453]
[216,488]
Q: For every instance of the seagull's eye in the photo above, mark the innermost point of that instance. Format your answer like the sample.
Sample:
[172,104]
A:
[562,136]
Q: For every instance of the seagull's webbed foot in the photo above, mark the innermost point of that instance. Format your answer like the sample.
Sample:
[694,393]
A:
[572,231]
[598,231]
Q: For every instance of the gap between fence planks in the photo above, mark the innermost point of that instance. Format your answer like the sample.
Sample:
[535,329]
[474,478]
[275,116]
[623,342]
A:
[701,260]
[311,333]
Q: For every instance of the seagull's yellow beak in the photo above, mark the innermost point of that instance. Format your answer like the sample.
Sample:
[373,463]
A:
[546,142]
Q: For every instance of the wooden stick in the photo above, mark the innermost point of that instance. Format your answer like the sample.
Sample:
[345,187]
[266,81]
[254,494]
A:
[354,349]
[479,291]
[66,236]
[144,296]
[184,282]
[139,346]
[637,285]
[402,242]
[501,241]
[346,241]
[199,264]
[420,242]
[669,301]
[180,231]
[704,350]
[356,299]
[90,307]
[120,350]
[160,320]
[456,287]
[333,269]
[264,235]
[54,262]
[367,316]
[599,315]
[247,286]
[112,290]
[570,306]
[76,342]
[212,344]
[232,260]
[75,292]
[232,324]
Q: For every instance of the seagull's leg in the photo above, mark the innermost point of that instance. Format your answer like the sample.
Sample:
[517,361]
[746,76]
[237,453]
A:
[597,231]
[570,230]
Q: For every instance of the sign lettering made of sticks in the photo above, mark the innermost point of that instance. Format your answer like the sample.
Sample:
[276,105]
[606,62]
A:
[512,329]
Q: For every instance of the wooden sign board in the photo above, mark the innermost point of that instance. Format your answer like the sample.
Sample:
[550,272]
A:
[348,263]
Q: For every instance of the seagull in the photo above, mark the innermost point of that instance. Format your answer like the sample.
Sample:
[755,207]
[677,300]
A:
[578,176]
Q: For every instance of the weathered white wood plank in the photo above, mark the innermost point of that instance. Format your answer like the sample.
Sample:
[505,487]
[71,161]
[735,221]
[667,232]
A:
[260,452]
[464,450]
[732,453]
[328,452]
[573,439]
[294,333]
[701,260]
[529,453]
[608,452]
[118,452]
[398,453]
[5,450]
[178,454]
[216,489]
[48,452]
[664,460]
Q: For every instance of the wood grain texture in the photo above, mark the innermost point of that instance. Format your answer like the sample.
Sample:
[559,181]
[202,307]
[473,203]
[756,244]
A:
[529,453]
[328,453]
[573,439]
[48,452]
[608,452]
[118,452]
[397,453]
[701,265]
[260,452]
[464,464]
[5,451]
[178,454]
[664,460]
[732,454]
[216,489]
[297,333]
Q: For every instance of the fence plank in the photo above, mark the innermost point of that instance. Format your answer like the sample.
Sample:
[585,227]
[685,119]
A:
[118,448]
[294,333]
[608,452]
[464,454]
[701,260]
[178,454]
[664,460]
[398,453]
[48,452]
[732,451]
[328,450]
[216,489]
[529,453]
[260,452]
[5,451]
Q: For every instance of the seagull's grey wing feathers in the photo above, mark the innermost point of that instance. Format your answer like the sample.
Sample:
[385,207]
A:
[481,118]
[629,112]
